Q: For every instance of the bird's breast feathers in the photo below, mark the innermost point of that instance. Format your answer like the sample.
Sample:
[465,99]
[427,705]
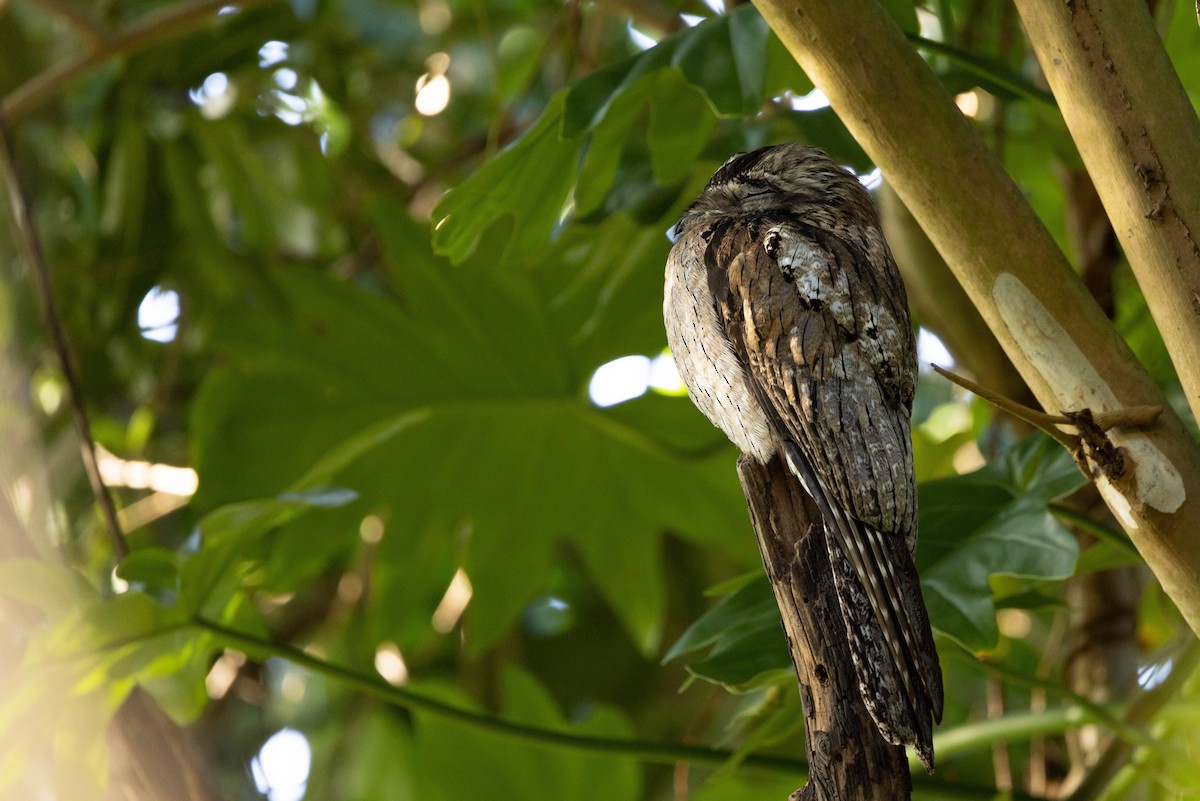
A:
[711,370]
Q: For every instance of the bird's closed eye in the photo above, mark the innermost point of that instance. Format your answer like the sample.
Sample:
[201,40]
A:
[753,187]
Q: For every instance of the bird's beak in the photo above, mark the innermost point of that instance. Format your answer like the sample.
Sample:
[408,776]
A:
[673,233]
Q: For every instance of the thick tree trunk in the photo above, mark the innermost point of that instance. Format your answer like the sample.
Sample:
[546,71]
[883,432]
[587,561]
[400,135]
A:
[1140,139]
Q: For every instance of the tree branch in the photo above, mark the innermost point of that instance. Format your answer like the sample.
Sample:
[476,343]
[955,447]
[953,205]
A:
[89,26]
[153,757]
[1054,333]
[377,688]
[1141,712]
[26,236]
[137,36]
[849,759]
[1140,140]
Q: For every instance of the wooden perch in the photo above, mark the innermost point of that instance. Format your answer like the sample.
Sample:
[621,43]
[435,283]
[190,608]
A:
[848,759]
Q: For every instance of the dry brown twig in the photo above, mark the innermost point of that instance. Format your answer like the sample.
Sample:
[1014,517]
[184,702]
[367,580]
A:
[1090,446]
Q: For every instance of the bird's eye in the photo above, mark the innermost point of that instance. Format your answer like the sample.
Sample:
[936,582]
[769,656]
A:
[756,186]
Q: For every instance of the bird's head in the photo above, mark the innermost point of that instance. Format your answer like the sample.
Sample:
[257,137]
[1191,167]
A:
[780,177]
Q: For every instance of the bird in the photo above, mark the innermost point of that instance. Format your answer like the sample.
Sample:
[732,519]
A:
[788,322]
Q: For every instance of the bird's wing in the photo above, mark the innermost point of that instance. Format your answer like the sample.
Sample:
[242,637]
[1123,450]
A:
[824,337]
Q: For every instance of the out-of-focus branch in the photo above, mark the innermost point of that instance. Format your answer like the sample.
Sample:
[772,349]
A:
[154,759]
[1056,336]
[650,13]
[1141,711]
[941,304]
[137,36]
[89,26]
[1140,140]
[26,236]
[1092,238]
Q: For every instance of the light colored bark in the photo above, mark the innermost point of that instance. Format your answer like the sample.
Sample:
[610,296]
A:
[1010,267]
[1140,141]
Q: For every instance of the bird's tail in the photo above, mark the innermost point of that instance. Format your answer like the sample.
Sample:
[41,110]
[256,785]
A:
[887,625]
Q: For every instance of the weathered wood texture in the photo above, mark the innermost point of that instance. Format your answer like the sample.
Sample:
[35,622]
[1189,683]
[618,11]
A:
[848,759]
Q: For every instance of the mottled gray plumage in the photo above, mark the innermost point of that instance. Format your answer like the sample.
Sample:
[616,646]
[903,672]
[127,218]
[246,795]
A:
[789,324]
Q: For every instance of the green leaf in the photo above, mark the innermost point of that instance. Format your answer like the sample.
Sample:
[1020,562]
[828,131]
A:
[1032,598]
[748,648]
[749,606]
[468,443]
[52,588]
[608,141]
[154,567]
[329,497]
[680,124]
[1105,555]
[528,182]
[783,73]
[501,767]
[994,521]
[745,660]
[904,13]
[725,57]
[519,53]
[125,184]
[718,66]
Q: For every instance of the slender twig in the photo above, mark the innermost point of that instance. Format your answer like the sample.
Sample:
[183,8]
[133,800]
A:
[89,26]
[1001,764]
[1130,417]
[26,236]
[137,36]
[398,696]
[642,750]
[1046,422]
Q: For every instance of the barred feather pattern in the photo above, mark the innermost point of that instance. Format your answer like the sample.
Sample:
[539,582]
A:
[788,322]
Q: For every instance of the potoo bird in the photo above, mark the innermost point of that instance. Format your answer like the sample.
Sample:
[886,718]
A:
[788,322]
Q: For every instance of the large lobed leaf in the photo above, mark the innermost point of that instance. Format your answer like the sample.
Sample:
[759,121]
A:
[382,755]
[719,67]
[469,432]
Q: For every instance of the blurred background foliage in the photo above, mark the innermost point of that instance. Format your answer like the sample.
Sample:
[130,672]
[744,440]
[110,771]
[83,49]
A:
[366,300]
